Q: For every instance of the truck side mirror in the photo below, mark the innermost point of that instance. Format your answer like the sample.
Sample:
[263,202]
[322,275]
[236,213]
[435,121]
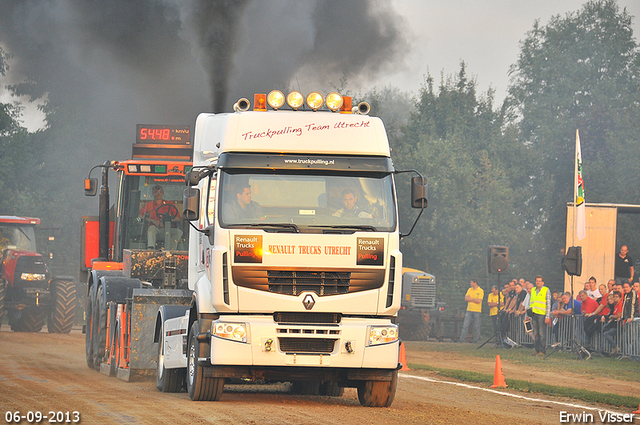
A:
[90,187]
[191,204]
[419,192]
[192,178]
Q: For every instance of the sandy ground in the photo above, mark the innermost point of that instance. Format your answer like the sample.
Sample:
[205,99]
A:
[47,373]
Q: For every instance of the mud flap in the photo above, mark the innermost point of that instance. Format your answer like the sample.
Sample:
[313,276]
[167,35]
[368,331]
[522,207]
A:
[145,304]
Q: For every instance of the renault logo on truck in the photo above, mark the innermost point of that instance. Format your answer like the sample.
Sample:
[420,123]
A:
[308,302]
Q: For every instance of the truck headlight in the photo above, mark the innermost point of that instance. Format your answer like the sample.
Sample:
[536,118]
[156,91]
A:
[382,334]
[33,276]
[230,331]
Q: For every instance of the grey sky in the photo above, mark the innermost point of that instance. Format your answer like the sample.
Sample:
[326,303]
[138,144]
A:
[485,34]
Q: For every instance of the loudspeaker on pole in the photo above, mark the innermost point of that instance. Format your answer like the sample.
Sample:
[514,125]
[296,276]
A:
[572,261]
[497,259]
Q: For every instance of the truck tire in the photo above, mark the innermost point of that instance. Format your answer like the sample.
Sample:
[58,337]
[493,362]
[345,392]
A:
[89,319]
[167,380]
[99,337]
[421,332]
[62,313]
[199,387]
[378,393]
[2,284]
[29,319]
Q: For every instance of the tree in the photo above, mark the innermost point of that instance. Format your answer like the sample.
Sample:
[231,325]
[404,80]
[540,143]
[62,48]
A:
[580,71]
[475,168]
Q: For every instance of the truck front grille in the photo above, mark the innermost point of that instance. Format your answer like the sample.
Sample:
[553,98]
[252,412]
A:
[306,345]
[307,318]
[423,292]
[296,282]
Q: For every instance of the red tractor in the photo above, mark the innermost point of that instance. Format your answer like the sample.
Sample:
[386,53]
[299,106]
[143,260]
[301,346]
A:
[28,294]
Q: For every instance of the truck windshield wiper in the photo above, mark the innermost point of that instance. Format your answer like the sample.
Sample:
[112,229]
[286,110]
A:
[277,225]
[366,227]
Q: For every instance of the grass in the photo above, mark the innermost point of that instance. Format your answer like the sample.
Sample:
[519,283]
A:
[532,387]
[591,370]
[594,368]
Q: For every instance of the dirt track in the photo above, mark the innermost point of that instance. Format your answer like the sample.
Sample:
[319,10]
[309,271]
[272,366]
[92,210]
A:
[45,372]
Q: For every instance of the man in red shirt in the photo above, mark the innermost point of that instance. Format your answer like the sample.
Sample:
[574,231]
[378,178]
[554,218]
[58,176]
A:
[611,326]
[156,228]
[591,322]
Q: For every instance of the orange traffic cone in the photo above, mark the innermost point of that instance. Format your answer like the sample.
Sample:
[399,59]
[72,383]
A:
[498,377]
[637,411]
[403,357]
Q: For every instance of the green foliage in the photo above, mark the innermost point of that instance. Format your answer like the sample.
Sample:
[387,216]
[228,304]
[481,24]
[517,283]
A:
[475,169]
[580,71]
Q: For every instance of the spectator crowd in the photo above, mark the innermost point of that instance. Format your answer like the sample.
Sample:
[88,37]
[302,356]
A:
[604,308]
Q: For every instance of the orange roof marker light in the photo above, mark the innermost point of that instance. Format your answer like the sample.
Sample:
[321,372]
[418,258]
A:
[295,100]
[334,101]
[260,102]
[346,105]
[275,99]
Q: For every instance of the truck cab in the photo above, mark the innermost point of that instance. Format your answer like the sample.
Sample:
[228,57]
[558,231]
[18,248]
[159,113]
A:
[295,262]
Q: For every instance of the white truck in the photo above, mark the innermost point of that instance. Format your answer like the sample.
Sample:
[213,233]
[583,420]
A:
[294,258]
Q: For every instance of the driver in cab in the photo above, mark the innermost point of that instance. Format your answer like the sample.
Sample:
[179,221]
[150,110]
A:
[349,202]
[153,212]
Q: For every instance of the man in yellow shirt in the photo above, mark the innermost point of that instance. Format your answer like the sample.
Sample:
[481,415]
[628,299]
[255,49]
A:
[474,298]
[495,300]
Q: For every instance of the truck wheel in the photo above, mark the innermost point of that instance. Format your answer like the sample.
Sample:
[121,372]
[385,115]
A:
[167,380]
[1,301]
[200,388]
[378,393]
[29,319]
[306,388]
[88,340]
[99,337]
[62,314]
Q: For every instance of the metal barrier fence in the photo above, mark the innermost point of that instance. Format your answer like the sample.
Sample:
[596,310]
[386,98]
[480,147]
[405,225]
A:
[627,336]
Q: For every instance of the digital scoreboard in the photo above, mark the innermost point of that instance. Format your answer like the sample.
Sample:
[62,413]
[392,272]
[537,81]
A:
[179,134]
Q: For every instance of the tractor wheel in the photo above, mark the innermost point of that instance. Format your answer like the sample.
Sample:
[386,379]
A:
[99,337]
[89,319]
[200,388]
[62,314]
[29,319]
[422,332]
[378,393]
[167,380]
[2,284]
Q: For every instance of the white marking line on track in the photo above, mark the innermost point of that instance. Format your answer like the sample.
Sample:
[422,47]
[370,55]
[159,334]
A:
[459,384]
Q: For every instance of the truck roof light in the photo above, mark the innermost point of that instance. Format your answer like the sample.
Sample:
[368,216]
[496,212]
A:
[334,101]
[315,100]
[242,105]
[275,99]
[363,108]
[295,100]
[260,102]
[346,105]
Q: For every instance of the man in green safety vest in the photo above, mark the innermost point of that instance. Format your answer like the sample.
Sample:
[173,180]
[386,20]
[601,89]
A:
[540,306]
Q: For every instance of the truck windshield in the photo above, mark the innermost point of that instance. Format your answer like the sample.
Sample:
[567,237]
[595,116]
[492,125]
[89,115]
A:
[21,237]
[155,210]
[310,203]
